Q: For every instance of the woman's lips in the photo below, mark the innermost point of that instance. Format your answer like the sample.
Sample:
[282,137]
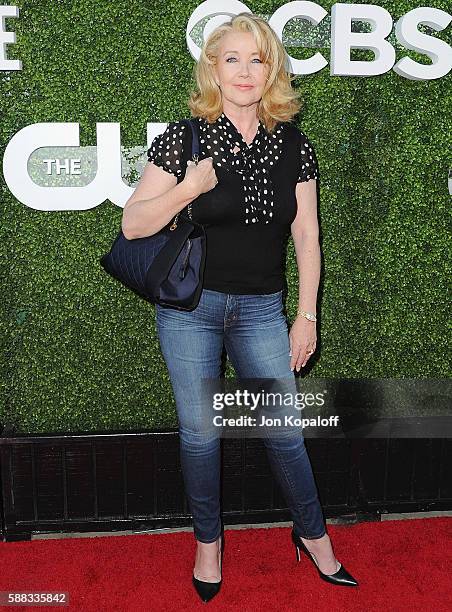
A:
[245,86]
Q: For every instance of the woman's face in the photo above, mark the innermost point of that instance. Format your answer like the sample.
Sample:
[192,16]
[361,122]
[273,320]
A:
[239,71]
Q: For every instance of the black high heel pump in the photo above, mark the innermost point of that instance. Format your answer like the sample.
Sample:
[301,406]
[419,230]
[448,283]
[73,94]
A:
[207,590]
[341,577]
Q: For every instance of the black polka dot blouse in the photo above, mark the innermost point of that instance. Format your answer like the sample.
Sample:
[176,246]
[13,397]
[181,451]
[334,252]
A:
[254,202]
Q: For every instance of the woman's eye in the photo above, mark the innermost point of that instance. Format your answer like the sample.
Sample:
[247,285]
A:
[233,58]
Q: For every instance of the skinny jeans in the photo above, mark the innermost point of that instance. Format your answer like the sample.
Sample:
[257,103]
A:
[254,331]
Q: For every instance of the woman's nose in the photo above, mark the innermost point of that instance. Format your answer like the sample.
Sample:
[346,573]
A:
[244,69]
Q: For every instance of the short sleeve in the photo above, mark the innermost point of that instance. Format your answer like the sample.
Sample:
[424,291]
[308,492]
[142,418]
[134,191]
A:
[166,149]
[309,168]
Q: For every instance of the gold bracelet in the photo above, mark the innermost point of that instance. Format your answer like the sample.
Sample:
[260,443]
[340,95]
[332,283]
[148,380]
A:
[307,315]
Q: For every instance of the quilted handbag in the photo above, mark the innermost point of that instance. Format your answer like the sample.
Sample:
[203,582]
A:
[166,268]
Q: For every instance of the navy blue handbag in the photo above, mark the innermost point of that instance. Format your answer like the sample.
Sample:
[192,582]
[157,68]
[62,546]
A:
[166,268]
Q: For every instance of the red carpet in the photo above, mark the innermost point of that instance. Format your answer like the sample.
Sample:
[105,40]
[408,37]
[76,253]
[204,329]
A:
[401,565]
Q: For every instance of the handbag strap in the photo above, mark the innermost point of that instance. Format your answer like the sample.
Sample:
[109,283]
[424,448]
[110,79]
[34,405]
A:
[194,157]
[195,139]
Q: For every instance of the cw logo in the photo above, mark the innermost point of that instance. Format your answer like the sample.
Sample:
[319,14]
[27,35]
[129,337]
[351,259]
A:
[343,39]
[106,184]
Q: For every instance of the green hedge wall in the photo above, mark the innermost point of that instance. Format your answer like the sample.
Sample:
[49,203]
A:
[80,352]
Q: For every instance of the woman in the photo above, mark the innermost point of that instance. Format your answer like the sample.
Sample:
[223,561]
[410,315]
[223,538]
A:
[254,184]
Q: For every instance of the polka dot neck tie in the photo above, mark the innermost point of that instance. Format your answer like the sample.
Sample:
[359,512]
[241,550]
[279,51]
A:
[253,162]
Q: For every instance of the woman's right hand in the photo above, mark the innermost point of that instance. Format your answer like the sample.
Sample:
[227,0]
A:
[200,178]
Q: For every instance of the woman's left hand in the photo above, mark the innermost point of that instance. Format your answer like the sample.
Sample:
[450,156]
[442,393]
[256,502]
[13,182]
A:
[302,339]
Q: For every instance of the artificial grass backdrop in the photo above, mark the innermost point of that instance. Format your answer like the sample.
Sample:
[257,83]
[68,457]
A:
[80,351]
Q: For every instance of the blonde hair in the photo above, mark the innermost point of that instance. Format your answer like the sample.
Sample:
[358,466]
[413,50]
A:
[279,102]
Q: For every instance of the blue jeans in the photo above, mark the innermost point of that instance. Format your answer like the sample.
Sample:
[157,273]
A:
[254,331]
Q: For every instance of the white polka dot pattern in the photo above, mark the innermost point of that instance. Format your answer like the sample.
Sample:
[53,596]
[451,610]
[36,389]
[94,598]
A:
[309,165]
[254,162]
[167,148]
